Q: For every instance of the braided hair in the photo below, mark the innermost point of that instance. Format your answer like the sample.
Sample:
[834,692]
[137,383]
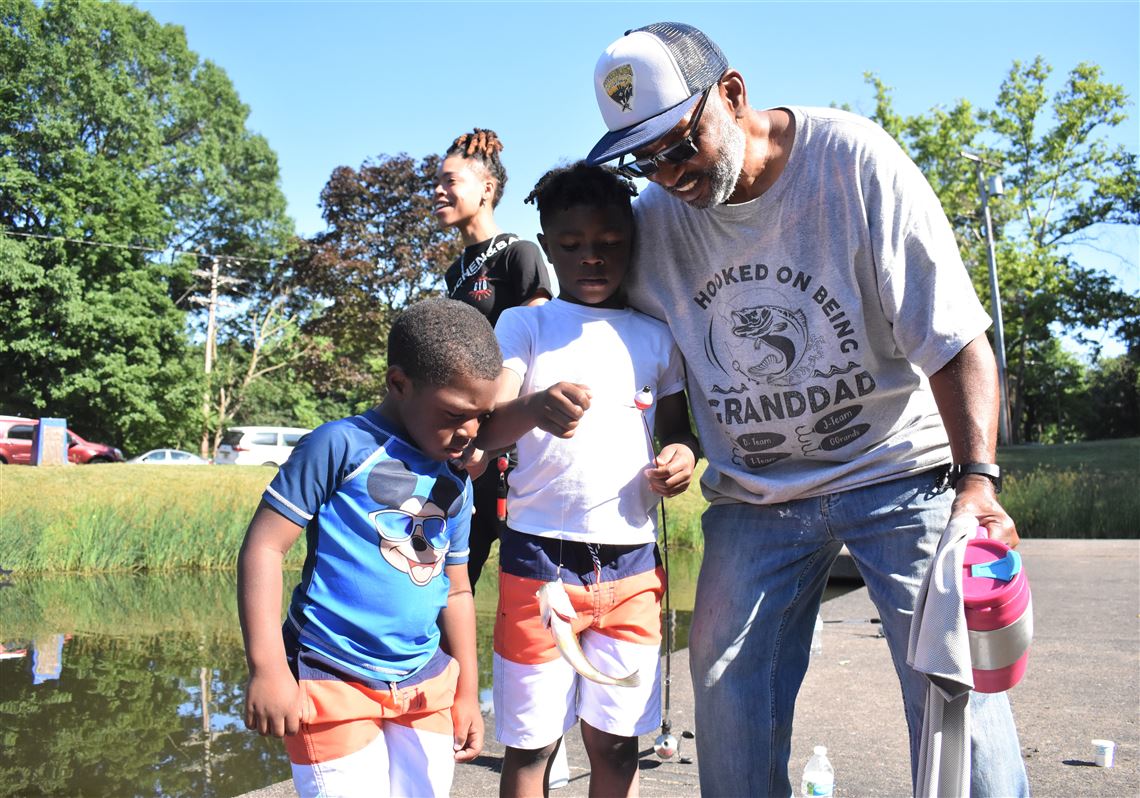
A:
[483,145]
[580,184]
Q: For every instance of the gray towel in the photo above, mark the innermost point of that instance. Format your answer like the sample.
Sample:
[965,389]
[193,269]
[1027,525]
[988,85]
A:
[939,648]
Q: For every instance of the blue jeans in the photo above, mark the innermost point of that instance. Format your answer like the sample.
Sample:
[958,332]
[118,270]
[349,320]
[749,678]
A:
[760,585]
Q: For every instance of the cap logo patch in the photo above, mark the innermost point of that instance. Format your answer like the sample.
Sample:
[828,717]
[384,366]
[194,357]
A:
[619,86]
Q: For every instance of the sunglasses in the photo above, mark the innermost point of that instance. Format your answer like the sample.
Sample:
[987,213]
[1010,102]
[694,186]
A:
[397,526]
[680,152]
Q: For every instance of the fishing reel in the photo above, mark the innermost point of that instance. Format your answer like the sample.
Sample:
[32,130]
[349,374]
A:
[666,746]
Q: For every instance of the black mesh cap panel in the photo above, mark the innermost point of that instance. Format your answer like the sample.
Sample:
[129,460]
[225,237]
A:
[701,61]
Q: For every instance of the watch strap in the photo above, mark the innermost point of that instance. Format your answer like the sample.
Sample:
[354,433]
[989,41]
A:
[989,470]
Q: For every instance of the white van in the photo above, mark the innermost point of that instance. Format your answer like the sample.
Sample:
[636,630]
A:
[258,445]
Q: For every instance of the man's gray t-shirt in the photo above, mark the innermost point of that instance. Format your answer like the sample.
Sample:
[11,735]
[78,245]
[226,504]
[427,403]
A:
[811,316]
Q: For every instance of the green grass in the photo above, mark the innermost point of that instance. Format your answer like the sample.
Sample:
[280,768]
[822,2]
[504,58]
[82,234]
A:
[114,518]
[1073,490]
[683,515]
[107,518]
[1112,458]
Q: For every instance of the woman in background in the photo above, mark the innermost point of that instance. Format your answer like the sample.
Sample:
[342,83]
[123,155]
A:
[495,271]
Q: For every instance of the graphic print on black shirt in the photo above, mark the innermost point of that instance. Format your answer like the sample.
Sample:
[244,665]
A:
[497,274]
[475,272]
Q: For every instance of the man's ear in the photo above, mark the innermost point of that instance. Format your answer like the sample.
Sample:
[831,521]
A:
[735,93]
[542,243]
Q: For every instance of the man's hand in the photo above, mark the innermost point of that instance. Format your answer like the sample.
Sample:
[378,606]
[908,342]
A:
[274,703]
[966,391]
[467,722]
[976,497]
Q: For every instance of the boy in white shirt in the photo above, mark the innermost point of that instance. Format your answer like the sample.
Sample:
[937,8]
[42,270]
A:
[582,503]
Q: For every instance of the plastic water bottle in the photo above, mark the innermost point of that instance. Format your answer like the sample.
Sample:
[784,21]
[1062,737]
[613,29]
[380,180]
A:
[819,775]
[817,635]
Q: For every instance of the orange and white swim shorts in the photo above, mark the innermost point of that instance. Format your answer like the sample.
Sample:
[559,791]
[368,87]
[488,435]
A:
[616,591]
[378,738]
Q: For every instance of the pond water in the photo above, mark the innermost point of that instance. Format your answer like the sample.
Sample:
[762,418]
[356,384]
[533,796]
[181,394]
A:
[133,685]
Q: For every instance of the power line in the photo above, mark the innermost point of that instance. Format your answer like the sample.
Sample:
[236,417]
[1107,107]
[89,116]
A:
[136,247]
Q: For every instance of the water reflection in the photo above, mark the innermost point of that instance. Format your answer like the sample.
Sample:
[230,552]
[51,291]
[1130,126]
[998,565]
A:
[128,686]
[133,685]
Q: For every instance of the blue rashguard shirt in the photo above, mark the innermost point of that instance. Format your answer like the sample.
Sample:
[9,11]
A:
[382,521]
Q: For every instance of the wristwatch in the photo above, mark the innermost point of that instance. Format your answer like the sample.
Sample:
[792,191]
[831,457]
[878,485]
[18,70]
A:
[989,470]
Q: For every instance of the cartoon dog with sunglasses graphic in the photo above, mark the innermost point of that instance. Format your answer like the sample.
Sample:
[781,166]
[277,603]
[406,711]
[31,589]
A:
[413,525]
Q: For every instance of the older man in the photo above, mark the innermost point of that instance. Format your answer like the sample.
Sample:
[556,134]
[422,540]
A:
[841,380]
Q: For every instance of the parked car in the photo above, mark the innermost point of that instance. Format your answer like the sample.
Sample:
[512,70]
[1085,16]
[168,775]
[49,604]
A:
[169,457]
[16,436]
[258,445]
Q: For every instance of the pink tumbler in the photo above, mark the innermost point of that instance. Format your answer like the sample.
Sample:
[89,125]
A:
[999,613]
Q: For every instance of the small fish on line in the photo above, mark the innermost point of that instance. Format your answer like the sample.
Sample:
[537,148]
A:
[557,612]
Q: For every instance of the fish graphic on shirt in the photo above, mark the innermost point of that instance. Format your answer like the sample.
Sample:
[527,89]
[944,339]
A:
[779,338]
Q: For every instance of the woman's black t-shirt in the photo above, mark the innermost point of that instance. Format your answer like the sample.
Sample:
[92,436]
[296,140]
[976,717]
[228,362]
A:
[499,273]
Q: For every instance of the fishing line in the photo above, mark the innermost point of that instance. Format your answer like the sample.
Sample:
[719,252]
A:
[665,745]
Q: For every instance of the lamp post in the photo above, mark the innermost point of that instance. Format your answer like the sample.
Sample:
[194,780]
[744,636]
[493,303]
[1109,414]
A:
[985,191]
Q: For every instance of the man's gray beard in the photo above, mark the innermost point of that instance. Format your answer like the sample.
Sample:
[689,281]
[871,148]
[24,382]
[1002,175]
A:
[725,172]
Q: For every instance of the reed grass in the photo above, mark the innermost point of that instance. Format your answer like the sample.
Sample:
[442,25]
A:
[111,518]
[85,519]
[1073,490]
[1052,503]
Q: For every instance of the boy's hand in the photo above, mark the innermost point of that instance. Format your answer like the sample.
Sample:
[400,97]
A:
[468,724]
[673,470]
[274,703]
[559,408]
[475,462]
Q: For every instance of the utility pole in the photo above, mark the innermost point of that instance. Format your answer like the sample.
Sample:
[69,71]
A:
[985,191]
[216,278]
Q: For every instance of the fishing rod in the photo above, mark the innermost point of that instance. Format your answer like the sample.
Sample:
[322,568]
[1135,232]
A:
[666,745]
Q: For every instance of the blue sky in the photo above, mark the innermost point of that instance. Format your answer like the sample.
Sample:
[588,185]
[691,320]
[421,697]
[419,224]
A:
[335,83]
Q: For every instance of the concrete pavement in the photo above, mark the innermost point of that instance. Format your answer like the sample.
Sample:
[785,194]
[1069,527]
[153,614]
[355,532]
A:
[1082,682]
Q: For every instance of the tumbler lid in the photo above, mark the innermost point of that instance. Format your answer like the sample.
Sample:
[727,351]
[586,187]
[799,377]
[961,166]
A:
[1004,569]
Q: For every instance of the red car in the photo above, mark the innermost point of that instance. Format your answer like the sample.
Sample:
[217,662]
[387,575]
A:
[16,444]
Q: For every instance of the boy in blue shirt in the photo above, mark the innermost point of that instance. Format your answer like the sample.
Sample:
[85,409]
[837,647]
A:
[373,680]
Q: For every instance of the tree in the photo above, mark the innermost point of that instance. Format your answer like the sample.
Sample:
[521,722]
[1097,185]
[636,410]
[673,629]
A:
[382,251]
[1113,397]
[262,341]
[111,356]
[1062,182]
[117,142]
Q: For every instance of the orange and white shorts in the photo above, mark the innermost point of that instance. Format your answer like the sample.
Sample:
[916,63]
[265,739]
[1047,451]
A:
[376,739]
[616,591]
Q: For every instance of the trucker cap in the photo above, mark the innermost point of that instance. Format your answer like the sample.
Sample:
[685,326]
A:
[645,82]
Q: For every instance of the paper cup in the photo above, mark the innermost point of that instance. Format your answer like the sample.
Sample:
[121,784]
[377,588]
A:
[1104,752]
